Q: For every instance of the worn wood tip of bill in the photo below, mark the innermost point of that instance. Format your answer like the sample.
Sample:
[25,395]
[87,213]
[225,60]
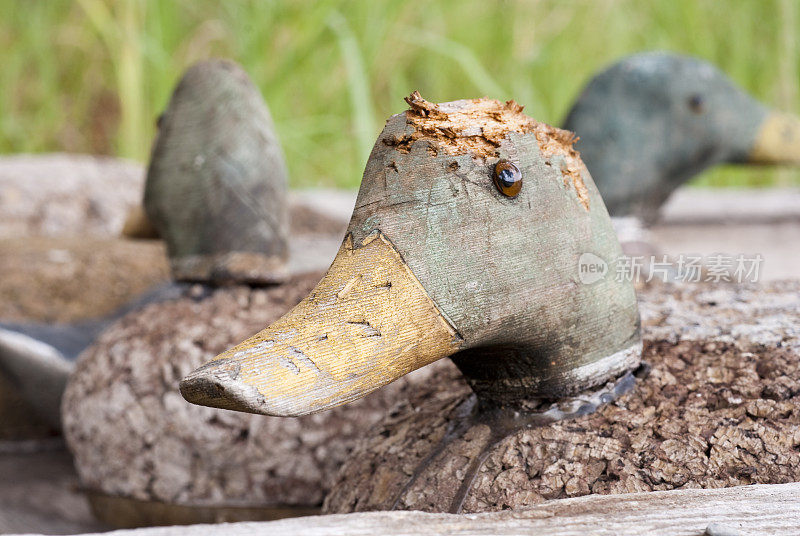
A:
[368,322]
[479,126]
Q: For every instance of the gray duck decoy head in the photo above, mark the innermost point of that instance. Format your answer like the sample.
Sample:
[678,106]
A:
[464,243]
[652,121]
[217,183]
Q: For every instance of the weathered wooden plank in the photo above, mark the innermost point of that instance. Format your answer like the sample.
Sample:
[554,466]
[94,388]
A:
[760,509]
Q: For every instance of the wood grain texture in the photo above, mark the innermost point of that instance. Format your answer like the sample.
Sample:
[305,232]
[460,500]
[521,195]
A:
[749,510]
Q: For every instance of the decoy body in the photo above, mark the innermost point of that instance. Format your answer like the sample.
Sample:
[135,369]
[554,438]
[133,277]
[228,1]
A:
[464,243]
[652,121]
[719,407]
[145,455]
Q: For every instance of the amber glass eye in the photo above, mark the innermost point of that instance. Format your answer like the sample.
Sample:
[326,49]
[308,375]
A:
[507,178]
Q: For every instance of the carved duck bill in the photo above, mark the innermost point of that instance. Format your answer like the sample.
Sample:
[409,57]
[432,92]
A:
[464,243]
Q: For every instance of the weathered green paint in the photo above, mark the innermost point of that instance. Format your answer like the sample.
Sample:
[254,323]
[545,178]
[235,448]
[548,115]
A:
[504,271]
[217,182]
[652,121]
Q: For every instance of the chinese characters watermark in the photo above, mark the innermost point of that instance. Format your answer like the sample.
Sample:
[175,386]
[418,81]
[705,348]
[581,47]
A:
[684,268]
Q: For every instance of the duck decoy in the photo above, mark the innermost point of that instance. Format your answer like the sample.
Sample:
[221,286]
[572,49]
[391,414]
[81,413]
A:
[652,121]
[464,243]
[143,454]
[216,191]
[400,294]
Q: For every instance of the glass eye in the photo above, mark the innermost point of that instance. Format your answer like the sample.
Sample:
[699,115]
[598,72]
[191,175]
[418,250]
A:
[507,178]
[696,104]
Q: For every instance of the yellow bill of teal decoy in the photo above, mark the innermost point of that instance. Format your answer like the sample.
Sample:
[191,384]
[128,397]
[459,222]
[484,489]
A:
[777,141]
[464,243]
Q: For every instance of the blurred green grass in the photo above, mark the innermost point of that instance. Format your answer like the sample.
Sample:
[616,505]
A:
[92,76]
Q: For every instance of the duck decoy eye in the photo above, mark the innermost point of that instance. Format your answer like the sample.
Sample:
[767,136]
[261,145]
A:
[696,104]
[507,178]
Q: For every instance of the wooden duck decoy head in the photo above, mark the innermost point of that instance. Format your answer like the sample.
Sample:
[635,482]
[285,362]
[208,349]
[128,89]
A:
[464,243]
[217,182]
[652,121]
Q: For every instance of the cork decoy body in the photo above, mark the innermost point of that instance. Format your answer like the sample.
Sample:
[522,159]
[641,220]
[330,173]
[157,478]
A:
[464,243]
[652,121]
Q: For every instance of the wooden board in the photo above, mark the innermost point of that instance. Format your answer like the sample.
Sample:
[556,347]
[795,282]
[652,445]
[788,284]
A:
[757,510]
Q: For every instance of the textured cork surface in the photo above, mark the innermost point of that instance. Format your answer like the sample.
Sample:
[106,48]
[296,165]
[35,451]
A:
[134,436]
[719,408]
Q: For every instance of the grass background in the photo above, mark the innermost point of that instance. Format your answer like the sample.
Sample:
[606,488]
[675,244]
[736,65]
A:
[92,75]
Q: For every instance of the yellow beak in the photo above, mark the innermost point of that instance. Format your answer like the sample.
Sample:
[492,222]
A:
[778,140]
[368,322]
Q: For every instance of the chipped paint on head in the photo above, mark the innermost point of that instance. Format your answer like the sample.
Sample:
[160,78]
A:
[558,144]
[478,127]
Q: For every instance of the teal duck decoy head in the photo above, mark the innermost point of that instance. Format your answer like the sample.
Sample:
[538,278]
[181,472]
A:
[652,121]
[464,243]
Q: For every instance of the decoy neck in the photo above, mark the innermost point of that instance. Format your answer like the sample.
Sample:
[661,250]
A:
[216,187]
[464,243]
[652,121]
